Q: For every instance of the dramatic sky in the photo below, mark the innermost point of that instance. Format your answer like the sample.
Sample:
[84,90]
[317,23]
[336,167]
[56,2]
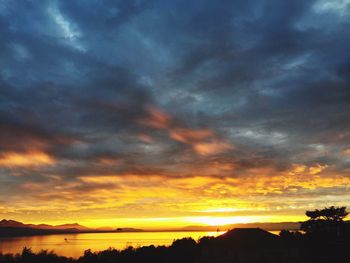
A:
[173,113]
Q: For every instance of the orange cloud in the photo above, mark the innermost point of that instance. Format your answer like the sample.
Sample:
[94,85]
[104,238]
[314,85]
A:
[145,138]
[188,135]
[156,119]
[110,161]
[203,141]
[347,152]
[210,148]
[28,159]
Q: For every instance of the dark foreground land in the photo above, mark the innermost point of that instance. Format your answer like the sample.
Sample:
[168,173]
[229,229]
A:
[248,245]
[325,237]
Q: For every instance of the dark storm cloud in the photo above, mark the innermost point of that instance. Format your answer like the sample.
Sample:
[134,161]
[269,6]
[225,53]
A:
[269,79]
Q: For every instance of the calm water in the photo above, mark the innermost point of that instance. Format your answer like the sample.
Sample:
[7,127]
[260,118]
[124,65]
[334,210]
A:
[74,245]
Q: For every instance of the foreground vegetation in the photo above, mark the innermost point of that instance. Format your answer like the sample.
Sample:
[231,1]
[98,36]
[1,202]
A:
[325,237]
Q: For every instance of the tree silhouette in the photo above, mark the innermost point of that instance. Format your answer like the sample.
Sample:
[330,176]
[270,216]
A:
[326,235]
[325,222]
[330,214]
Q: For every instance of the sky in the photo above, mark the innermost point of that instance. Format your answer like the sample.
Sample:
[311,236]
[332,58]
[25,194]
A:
[173,113]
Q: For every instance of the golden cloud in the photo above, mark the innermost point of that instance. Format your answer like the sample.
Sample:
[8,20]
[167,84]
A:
[259,190]
[307,170]
[26,159]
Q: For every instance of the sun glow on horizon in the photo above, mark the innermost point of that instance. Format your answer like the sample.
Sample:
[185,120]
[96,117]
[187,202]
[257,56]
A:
[220,221]
[175,222]
[170,223]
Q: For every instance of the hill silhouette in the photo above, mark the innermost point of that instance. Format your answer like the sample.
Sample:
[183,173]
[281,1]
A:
[248,237]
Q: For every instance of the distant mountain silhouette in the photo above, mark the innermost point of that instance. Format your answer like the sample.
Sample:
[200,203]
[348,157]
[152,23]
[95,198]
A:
[267,226]
[13,223]
[68,226]
[9,228]
[128,229]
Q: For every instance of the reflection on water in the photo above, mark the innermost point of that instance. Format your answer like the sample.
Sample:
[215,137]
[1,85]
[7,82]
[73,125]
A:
[74,245]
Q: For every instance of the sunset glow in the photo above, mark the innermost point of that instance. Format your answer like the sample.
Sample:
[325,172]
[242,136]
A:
[168,114]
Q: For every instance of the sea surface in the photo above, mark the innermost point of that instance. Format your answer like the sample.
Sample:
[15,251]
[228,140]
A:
[74,245]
